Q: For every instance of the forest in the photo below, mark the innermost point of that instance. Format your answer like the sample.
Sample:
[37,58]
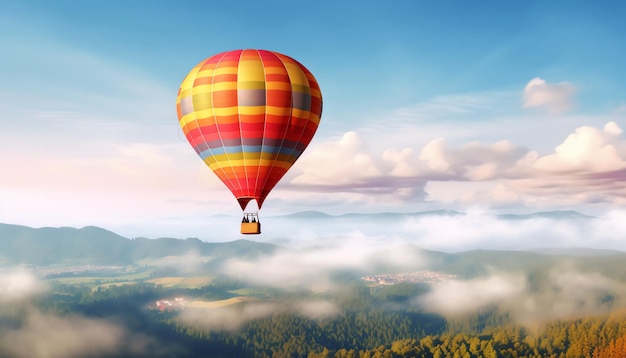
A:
[90,293]
[368,322]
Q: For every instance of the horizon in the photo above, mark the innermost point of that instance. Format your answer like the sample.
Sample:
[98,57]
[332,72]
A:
[442,231]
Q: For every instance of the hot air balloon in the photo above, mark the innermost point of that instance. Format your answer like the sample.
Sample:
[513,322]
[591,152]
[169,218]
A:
[249,114]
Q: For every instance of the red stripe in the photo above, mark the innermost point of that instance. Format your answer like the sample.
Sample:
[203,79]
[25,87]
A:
[227,77]
[227,127]
[316,105]
[278,98]
[252,130]
[277,77]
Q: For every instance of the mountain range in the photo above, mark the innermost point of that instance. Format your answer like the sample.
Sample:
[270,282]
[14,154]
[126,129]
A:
[311,215]
[97,246]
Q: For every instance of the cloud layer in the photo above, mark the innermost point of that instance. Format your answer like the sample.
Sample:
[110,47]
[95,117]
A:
[231,318]
[589,166]
[35,333]
[554,98]
[565,293]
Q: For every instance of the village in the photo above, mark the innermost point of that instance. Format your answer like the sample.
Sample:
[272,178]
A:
[175,304]
[427,277]
[53,270]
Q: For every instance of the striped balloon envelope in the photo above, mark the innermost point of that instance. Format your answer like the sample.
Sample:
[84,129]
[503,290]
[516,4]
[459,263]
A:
[249,114]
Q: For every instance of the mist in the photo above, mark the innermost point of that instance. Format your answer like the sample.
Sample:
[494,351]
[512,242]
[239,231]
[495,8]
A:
[29,331]
[565,293]
[231,318]
[475,228]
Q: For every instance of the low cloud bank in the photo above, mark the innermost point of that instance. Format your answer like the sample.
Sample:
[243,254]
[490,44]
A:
[313,266]
[26,331]
[347,240]
[482,230]
[17,285]
[50,336]
[231,318]
[563,294]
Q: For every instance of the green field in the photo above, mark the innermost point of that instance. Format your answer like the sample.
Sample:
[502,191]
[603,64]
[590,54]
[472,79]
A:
[219,303]
[182,282]
[91,279]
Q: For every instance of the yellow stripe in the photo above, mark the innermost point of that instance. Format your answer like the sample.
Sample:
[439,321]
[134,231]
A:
[264,158]
[222,70]
[222,86]
[208,72]
[250,70]
[225,111]
[296,75]
[185,92]
[188,118]
[205,113]
[201,102]
[230,111]
[299,113]
[240,163]
[205,73]
[277,111]
[200,89]
[251,110]
[252,157]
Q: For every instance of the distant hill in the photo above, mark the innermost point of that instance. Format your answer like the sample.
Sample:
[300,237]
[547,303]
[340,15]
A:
[570,215]
[97,246]
[317,215]
[575,251]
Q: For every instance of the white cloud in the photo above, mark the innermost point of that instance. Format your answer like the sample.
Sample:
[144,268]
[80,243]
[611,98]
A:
[18,285]
[565,293]
[554,98]
[229,318]
[479,228]
[588,150]
[46,335]
[311,265]
[455,297]
[50,336]
[316,309]
[588,167]
[338,162]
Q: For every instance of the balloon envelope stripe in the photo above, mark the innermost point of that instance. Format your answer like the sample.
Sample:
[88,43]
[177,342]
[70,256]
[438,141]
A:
[250,148]
[249,114]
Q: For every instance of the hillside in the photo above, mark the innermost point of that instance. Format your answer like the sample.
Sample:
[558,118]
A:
[97,246]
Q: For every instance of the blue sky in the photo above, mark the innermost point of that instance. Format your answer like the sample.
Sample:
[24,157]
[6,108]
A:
[503,106]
